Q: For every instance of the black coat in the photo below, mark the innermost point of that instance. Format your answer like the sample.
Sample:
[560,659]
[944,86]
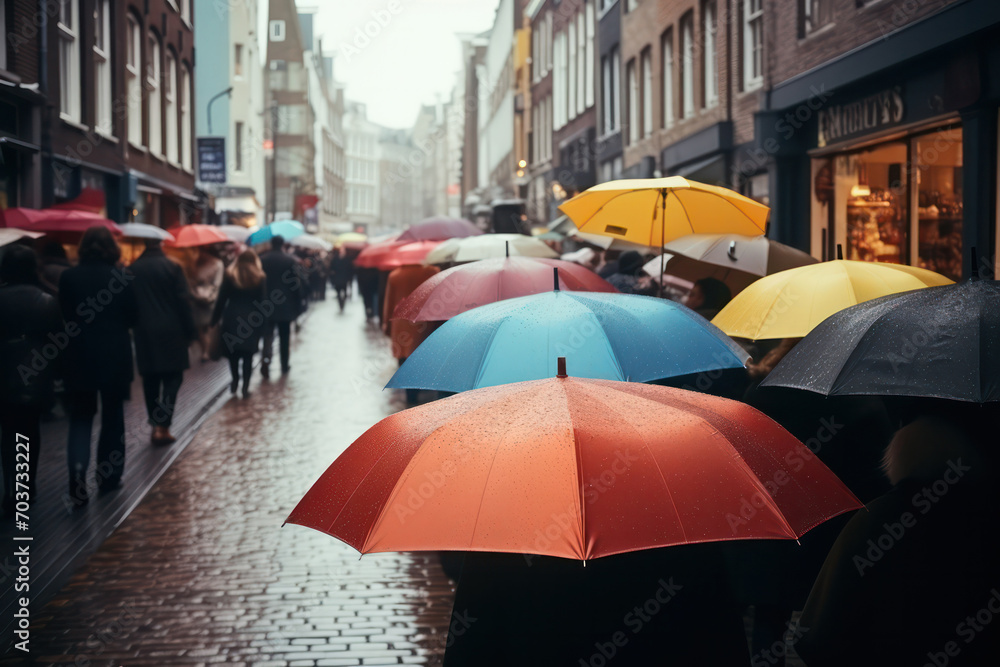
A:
[243,314]
[166,323]
[99,299]
[341,271]
[31,343]
[286,285]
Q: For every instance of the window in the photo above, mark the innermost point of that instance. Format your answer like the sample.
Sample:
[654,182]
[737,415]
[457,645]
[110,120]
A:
[559,82]
[633,102]
[647,92]
[170,95]
[186,10]
[69,59]
[581,65]
[133,91]
[154,125]
[237,60]
[185,94]
[813,15]
[667,50]
[276,31]
[3,34]
[589,57]
[238,145]
[753,44]
[609,92]
[102,66]
[536,55]
[687,66]
[710,68]
[571,81]
[630,5]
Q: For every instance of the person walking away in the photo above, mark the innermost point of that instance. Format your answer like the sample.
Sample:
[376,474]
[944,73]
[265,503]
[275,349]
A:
[244,290]
[52,263]
[406,336]
[317,277]
[368,279]
[287,292]
[163,333]
[29,320]
[205,277]
[98,298]
[341,274]
[626,277]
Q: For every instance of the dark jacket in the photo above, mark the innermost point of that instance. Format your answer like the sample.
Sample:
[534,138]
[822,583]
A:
[341,271]
[284,275]
[100,300]
[166,324]
[655,607]
[31,342]
[243,314]
[50,270]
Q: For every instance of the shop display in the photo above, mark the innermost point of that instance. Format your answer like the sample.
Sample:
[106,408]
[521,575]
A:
[876,229]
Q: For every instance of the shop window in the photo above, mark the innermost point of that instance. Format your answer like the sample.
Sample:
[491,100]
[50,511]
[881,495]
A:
[813,15]
[938,158]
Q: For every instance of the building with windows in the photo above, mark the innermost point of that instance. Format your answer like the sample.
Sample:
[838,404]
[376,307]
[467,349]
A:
[473,91]
[363,179]
[540,172]
[496,101]
[609,91]
[117,132]
[326,97]
[400,192]
[291,174]
[229,87]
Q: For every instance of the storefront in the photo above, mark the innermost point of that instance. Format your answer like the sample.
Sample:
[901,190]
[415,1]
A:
[898,164]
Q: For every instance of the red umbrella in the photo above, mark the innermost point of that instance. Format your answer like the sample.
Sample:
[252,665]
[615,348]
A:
[405,253]
[572,468]
[54,221]
[439,229]
[369,255]
[189,236]
[465,287]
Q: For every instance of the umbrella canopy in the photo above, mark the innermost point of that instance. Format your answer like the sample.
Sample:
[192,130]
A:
[941,342]
[400,254]
[352,240]
[607,242]
[8,236]
[370,255]
[54,221]
[611,336]
[486,246]
[524,468]
[439,229]
[286,229]
[190,236]
[140,230]
[653,211]
[310,242]
[791,303]
[465,287]
[237,233]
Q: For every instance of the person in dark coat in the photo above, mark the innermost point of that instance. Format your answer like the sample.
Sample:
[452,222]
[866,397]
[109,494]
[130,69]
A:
[666,606]
[368,286]
[341,275]
[914,578]
[30,338]
[53,262]
[241,308]
[626,278]
[163,334]
[98,297]
[708,297]
[287,293]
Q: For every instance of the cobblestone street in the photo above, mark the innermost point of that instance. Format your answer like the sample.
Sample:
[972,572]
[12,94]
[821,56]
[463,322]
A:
[203,572]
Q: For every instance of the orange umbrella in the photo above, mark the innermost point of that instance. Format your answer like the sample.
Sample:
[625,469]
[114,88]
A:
[573,468]
[189,236]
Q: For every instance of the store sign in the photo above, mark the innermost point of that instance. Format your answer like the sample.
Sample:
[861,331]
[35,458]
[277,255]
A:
[868,114]
[212,159]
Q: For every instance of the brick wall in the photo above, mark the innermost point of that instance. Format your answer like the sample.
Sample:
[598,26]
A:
[22,40]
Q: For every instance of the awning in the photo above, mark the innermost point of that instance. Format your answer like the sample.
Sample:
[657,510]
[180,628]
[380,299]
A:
[17,144]
[247,204]
[141,187]
[711,170]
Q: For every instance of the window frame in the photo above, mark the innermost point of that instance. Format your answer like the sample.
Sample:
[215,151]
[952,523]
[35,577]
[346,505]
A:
[103,68]
[186,93]
[70,107]
[687,62]
[171,111]
[753,24]
[133,84]
[632,87]
[646,90]
[667,78]
[154,94]
[709,59]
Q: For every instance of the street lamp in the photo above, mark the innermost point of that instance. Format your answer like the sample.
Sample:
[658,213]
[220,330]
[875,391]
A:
[227,92]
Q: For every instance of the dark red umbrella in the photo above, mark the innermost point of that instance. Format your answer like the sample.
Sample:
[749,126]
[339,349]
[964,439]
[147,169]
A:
[465,287]
[439,229]
[54,221]
[403,254]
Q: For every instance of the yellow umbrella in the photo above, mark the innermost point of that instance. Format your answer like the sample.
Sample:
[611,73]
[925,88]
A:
[654,211]
[352,237]
[789,304]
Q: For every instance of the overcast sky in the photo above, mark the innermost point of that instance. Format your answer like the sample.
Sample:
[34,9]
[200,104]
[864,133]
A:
[410,60]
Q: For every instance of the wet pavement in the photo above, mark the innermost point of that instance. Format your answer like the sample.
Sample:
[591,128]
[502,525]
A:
[202,572]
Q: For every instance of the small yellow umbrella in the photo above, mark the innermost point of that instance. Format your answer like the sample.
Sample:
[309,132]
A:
[653,211]
[789,304]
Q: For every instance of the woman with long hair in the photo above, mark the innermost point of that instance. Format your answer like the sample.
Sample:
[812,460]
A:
[242,307]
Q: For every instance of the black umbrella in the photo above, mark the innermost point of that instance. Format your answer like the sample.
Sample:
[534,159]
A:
[940,342]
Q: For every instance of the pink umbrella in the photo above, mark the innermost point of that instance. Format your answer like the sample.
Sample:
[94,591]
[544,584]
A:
[54,221]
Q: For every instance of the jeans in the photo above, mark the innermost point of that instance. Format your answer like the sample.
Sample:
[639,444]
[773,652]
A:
[234,369]
[284,336]
[160,391]
[110,444]
[26,421]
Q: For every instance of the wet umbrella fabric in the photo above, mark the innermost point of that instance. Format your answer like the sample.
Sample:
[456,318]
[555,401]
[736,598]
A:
[286,229]
[463,288]
[54,221]
[403,253]
[439,229]
[237,233]
[190,236]
[488,246]
[518,469]
[139,230]
[941,342]
[608,336]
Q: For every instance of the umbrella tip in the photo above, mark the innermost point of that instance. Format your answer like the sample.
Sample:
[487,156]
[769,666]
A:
[506,245]
[840,251]
[555,278]
[561,367]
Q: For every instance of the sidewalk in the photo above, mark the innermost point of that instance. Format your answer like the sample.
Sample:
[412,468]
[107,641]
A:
[62,538]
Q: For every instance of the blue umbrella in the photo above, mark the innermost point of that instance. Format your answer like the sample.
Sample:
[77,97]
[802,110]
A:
[287,229]
[604,336]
